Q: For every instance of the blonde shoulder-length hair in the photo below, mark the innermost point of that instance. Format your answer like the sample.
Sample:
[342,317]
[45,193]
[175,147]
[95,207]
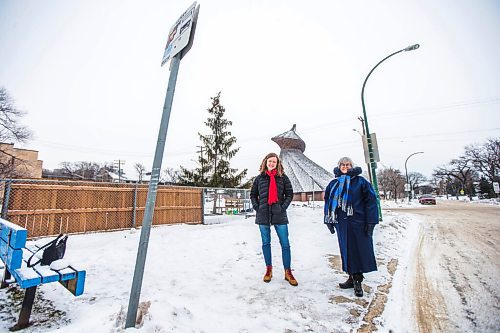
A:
[279,167]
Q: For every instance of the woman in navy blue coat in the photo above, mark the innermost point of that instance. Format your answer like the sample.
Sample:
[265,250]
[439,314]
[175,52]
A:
[351,211]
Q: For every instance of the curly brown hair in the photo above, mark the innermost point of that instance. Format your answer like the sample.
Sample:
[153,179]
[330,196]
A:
[279,167]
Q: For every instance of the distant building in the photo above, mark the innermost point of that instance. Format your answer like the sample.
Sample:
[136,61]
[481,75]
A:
[115,178]
[19,163]
[306,176]
[102,175]
[60,174]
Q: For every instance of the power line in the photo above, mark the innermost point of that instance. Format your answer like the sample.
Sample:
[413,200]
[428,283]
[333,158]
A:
[409,112]
[436,109]
[105,151]
[335,124]
[441,134]
[354,142]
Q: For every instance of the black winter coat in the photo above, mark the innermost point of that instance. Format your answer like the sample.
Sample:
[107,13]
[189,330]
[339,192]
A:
[275,214]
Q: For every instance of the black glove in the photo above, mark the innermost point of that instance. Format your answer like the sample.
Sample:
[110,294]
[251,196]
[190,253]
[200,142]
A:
[331,227]
[369,229]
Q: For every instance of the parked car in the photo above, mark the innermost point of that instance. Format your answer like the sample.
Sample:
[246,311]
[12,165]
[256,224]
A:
[427,199]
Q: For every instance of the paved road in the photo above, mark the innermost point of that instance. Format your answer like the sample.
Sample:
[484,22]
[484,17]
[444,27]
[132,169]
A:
[456,285]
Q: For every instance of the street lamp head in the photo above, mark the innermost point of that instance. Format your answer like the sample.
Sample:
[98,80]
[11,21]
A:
[355,130]
[412,47]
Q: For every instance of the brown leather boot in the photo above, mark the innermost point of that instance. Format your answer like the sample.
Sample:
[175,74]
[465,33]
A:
[269,274]
[348,284]
[290,278]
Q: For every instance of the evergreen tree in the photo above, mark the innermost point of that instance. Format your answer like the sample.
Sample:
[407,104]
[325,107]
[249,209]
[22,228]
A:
[193,177]
[216,151]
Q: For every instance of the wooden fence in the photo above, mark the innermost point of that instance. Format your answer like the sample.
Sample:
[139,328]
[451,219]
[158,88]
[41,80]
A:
[46,208]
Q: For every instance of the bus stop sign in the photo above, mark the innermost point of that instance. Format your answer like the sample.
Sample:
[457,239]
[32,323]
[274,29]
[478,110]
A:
[180,34]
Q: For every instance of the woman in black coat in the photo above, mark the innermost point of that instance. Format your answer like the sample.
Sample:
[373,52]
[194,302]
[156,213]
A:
[271,195]
[351,210]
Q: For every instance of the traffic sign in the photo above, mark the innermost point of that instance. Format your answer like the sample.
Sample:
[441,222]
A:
[496,187]
[376,157]
[180,34]
[180,40]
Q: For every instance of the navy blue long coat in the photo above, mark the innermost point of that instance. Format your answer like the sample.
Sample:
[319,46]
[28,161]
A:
[356,247]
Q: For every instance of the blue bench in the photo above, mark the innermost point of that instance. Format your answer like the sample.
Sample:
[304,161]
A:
[15,254]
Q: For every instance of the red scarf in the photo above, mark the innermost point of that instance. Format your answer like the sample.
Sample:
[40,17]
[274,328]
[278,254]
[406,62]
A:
[272,196]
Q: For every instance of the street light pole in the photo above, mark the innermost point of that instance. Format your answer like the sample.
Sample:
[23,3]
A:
[312,180]
[406,172]
[373,165]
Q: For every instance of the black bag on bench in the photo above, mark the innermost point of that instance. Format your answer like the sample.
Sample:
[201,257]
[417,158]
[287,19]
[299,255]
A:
[54,250]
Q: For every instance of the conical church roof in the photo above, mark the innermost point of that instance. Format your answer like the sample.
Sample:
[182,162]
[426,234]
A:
[290,140]
[304,174]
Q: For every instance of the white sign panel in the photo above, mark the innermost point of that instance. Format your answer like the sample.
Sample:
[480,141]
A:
[178,37]
[496,187]
[376,157]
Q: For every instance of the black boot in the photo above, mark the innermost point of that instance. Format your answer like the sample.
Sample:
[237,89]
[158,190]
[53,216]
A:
[358,288]
[348,284]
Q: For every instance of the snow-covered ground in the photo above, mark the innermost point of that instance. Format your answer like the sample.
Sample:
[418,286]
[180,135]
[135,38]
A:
[208,278]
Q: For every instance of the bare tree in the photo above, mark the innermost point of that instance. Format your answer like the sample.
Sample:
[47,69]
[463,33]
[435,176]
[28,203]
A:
[8,164]
[71,169]
[391,182]
[415,179]
[74,169]
[85,170]
[486,159]
[140,169]
[11,131]
[88,170]
[460,171]
[82,169]
[170,176]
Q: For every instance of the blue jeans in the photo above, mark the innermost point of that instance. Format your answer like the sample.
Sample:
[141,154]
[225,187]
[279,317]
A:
[282,231]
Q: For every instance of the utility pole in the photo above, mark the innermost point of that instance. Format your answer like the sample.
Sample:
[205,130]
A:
[362,124]
[119,163]
[364,139]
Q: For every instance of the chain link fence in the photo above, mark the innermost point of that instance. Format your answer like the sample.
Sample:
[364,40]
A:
[50,207]
[47,207]
[227,202]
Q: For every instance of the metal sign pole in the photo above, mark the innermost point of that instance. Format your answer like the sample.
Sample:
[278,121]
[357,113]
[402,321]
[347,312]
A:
[151,198]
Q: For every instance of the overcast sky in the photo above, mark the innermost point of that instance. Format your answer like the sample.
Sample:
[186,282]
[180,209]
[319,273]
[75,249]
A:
[88,74]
